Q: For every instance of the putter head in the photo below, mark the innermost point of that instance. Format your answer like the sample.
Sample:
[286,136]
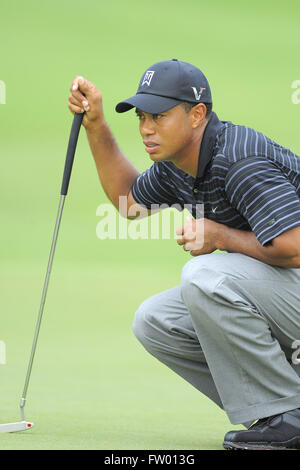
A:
[16,427]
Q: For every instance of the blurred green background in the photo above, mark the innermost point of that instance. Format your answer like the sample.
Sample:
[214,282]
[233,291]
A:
[93,386]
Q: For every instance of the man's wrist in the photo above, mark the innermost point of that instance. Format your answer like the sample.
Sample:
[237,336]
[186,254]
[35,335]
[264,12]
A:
[221,237]
[95,126]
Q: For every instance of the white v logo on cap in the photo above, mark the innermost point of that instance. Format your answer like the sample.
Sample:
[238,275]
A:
[197,95]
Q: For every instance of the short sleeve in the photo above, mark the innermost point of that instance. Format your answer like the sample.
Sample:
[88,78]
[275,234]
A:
[153,186]
[264,196]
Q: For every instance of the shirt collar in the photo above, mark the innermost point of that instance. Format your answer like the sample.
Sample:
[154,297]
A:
[207,145]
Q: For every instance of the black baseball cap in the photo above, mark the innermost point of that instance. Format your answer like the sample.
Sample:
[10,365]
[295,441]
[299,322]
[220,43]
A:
[165,85]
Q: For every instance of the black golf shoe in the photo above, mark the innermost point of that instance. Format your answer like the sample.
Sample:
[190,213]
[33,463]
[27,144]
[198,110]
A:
[276,432]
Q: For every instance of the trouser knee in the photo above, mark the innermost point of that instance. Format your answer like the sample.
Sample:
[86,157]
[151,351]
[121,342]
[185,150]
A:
[142,322]
[199,279]
[208,291]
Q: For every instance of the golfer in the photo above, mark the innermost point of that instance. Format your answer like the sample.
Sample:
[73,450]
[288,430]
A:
[231,326]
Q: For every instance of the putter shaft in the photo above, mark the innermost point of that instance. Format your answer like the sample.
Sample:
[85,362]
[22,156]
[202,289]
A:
[43,299]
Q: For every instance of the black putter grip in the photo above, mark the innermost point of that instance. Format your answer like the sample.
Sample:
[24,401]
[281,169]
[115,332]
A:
[71,152]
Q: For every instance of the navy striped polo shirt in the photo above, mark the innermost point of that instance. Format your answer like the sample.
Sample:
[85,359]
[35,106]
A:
[244,180]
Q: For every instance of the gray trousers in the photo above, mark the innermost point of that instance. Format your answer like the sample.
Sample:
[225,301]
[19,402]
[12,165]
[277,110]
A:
[228,329]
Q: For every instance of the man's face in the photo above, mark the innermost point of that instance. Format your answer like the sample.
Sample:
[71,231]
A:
[166,135]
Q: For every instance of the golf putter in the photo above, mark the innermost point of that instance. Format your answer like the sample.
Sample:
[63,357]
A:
[23,425]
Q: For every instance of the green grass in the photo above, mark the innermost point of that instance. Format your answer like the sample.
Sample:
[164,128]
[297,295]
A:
[93,386]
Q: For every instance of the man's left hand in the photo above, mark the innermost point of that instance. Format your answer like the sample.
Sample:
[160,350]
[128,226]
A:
[199,236]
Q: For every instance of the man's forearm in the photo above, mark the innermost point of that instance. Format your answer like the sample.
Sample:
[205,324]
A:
[115,171]
[275,253]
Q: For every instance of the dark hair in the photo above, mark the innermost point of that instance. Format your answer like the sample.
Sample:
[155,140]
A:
[188,106]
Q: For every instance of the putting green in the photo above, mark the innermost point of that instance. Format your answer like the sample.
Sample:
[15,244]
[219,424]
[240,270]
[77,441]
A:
[93,386]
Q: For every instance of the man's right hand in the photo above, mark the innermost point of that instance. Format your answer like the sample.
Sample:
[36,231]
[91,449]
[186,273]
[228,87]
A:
[85,97]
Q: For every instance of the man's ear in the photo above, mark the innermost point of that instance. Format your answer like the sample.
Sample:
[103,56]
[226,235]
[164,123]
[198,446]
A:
[198,114]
